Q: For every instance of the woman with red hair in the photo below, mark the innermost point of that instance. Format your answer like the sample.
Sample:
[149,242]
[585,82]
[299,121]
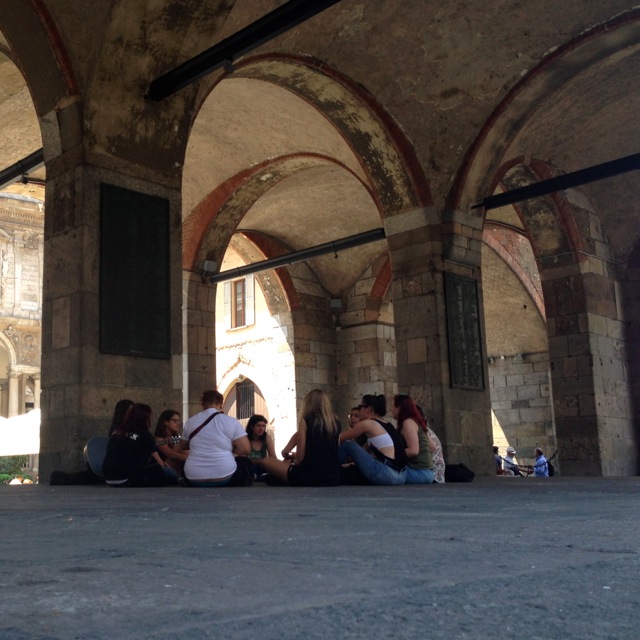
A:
[413,428]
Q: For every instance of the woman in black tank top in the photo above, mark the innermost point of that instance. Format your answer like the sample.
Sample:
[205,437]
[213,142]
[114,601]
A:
[315,461]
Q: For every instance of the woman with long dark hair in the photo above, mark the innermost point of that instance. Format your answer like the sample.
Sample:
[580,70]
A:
[413,428]
[167,435]
[261,443]
[120,413]
[315,461]
[132,459]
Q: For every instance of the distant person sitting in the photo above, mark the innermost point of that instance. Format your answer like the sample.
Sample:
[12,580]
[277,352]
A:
[214,440]
[541,467]
[261,443]
[435,446]
[315,461]
[379,461]
[511,467]
[132,458]
[88,476]
[167,436]
[498,459]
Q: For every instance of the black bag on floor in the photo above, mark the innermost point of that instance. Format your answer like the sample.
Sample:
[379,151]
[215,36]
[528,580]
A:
[458,473]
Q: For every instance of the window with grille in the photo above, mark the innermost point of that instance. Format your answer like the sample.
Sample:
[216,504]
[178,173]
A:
[245,405]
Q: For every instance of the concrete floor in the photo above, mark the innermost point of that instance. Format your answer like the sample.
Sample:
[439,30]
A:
[501,557]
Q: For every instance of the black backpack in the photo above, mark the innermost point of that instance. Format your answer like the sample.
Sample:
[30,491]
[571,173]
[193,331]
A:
[458,473]
[552,469]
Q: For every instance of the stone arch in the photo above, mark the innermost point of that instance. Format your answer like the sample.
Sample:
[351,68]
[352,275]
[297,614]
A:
[618,36]
[393,171]
[228,203]
[586,351]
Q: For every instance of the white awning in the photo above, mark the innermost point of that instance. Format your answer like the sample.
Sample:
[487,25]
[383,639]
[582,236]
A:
[20,435]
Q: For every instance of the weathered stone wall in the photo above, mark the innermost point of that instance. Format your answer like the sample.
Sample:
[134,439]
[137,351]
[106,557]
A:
[522,413]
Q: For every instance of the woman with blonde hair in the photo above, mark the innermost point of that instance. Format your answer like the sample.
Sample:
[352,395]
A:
[315,460]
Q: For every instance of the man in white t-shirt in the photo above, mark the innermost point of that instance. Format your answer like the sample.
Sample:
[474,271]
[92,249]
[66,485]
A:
[213,440]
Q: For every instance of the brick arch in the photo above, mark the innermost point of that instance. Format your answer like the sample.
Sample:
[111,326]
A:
[42,55]
[485,154]
[228,203]
[549,221]
[506,243]
[395,176]
[271,247]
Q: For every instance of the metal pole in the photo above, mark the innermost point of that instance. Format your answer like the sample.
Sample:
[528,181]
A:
[298,256]
[567,181]
[16,171]
[262,30]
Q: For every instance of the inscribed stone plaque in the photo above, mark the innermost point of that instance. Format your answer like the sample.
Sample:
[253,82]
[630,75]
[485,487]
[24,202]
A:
[463,332]
[134,273]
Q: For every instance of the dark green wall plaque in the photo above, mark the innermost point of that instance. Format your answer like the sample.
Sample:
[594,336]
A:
[463,332]
[134,273]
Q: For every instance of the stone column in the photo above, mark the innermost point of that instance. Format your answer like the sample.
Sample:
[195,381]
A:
[422,249]
[36,392]
[593,416]
[14,395]
[199,361]
[81,384]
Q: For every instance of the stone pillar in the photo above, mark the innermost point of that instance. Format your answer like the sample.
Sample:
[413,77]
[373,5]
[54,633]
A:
[421,249]
[593,417]
[36,392]
[14,395]
[80,384]
[199,361]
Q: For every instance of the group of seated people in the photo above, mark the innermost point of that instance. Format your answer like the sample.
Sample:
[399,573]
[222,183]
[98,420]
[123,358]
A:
[508,466]
[214,450]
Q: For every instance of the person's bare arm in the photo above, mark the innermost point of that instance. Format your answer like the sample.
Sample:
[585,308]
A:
[241,446]
[301,441]
[271,450]
[355,432]
[293,441]
[410,435]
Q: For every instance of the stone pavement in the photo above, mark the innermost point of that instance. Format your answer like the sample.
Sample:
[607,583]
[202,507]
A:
[501,557]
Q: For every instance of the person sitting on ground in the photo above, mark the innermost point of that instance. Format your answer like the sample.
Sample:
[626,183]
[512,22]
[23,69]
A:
[378,461]
[354,418]
[214,440]
[413,429]
[167,436]
[88,476]
[511,467]
[132,458]
[498,459]
[315,461]
[261,442]
[435,447]
[119,414]
[541,467]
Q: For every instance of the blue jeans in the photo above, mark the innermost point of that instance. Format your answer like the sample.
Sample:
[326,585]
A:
[373,470]
[419,476]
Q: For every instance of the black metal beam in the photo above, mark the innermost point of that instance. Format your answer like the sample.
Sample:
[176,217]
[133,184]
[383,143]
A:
[262,30]
[298,256]
[566,181]
[17,171]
